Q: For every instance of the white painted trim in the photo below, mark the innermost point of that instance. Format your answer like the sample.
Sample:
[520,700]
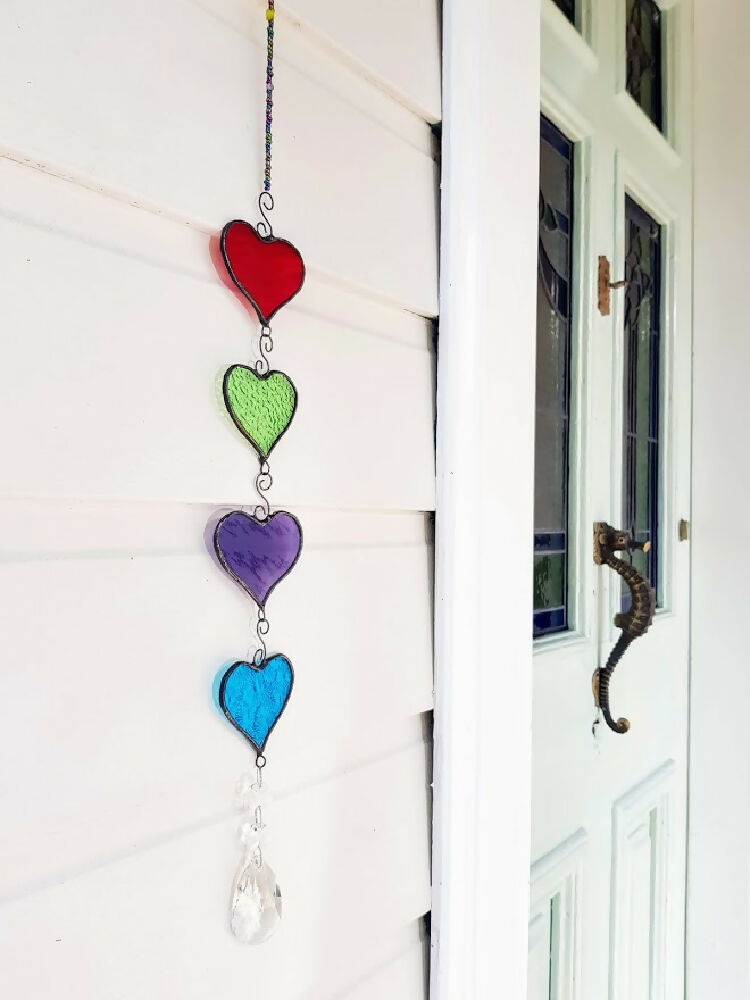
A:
[560,873]
[485,448]
[577,40]
[549,871]
[629,812]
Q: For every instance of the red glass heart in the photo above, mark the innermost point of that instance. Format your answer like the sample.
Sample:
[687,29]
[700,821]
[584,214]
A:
[268,271]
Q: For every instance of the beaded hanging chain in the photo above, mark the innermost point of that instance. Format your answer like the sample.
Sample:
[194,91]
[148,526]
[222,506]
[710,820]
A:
[270,17]
[258,549]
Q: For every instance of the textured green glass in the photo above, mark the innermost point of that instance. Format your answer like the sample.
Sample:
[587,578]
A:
[549,581]
[262,406]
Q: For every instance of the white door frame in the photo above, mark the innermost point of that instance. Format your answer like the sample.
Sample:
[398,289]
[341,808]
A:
[485,482]
[485,402]
[718,898]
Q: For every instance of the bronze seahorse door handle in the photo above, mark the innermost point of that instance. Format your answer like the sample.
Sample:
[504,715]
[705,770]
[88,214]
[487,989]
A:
[635,622]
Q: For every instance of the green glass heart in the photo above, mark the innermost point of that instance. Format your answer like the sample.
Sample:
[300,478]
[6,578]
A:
[262,406]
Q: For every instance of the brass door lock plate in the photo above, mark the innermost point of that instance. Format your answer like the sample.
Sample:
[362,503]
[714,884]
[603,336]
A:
[605,286]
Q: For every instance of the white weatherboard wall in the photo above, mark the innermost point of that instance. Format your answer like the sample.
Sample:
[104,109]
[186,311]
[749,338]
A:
[718,887]
[129,133]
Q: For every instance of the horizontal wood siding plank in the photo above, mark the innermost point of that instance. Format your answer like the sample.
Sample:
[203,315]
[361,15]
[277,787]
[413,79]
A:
[108,736]
[353,867]
[118,379]
[401,978]
[130,132]
[406,59]
[163,105]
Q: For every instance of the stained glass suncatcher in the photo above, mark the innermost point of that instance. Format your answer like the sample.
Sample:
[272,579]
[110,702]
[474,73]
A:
[568,7]
[643,47]
[554,274]
[642,350]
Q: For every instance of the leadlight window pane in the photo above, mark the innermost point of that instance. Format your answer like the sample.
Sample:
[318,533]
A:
[643,47]
[554,273]
[642,353]
[568,7]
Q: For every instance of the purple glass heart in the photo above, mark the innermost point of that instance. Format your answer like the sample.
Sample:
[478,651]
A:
[257,554]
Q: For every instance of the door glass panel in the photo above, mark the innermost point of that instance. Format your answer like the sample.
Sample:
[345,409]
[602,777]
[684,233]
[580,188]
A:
[554,274]
[644,56]
[642,351]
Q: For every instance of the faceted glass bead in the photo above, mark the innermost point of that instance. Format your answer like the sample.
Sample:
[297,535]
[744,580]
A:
[249,794]
[252,832]
[256,901]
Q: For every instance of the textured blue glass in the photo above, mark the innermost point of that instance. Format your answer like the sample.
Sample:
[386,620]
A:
[253,698]
[547,542]
[546,622]
[554,315]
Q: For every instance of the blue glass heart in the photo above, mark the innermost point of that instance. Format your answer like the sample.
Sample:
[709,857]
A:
[253,698]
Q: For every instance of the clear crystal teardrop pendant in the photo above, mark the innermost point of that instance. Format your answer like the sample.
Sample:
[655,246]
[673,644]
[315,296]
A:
[255,909]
